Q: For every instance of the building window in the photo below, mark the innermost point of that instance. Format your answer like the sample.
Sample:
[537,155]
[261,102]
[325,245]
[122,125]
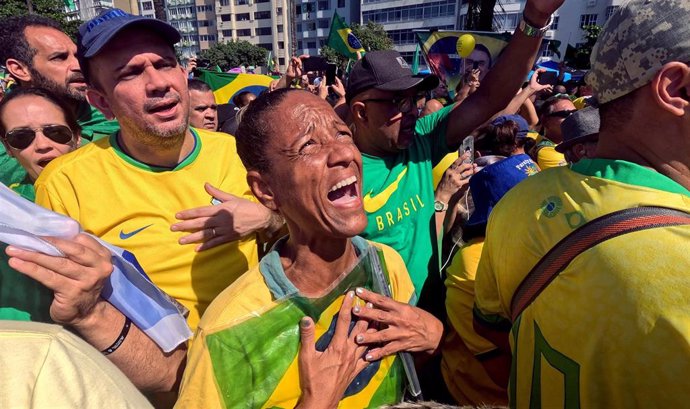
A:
[241,2]
[261,1]
[610,10]
[266,46]
[224,2]
[281,61]
[245,32]
[279,11]
[323,5]
[311,25]
[281,45]
[205,7]
[299,44]
[423,11]
[323,23]
[588,20]
[341,3]
[280,28]
[242,17]
[262,15]
[227,33]
[298,9]
[225,17]
[299,26]
[147,5]
[508,21]
[205,23]
[554,23]
[263,31]
[311,44]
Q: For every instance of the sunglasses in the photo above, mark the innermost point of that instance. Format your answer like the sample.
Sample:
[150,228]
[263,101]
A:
[404,104]
[561,114]
[22,138]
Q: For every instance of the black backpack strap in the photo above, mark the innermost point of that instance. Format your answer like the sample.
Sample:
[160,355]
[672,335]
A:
[587,236]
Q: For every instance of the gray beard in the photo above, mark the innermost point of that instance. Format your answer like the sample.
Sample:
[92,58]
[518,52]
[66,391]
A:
[72,96]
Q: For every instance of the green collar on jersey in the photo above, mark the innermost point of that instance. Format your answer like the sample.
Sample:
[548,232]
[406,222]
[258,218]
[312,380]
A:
[151,168]
[629,173]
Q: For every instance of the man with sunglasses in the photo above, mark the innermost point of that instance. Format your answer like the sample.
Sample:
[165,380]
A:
[36,53]
[399,149]
[553,112]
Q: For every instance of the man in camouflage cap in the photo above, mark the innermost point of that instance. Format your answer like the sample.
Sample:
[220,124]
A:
[611,326]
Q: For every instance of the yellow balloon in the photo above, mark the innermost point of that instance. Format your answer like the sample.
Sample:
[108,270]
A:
[465,45]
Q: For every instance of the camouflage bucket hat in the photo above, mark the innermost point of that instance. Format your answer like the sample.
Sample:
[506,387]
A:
[638,39]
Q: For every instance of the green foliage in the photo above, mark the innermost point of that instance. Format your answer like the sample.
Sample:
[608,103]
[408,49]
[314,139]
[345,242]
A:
[54,9]
[580,59]
[372,36]
[231,54]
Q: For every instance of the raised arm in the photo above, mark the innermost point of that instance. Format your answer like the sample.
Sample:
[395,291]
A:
[504,79]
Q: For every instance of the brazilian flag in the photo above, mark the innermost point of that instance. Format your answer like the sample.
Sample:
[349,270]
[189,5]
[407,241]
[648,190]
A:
[342,39]
[225,86]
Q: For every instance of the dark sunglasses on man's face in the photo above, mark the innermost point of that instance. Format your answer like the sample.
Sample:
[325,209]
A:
[22,138]
[561,114]
[404,104]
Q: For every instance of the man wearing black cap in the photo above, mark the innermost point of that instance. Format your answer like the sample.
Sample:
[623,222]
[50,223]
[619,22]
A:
[399,151]
[128,189]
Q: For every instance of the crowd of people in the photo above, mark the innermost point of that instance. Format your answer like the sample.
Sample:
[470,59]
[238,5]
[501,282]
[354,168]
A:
[374,242]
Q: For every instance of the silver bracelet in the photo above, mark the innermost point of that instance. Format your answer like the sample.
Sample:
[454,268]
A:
[531,31]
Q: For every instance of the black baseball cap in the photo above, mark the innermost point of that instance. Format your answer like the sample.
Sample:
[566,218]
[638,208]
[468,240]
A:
[387,71]
[96,33]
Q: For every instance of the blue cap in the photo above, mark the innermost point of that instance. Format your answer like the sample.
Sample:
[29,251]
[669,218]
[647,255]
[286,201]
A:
[490,184]
[523,127]
[97,32]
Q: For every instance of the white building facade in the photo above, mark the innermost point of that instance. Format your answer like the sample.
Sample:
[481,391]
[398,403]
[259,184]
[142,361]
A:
[567,23]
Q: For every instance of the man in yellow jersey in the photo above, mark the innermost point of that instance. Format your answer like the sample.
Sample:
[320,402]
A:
[612,329]
[131,189]
[553,112]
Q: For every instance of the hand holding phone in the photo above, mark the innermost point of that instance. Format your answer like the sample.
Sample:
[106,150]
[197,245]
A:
[467,146]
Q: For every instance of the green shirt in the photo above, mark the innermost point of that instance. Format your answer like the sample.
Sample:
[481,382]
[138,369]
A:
[22,298]
[93,125]
[399,201]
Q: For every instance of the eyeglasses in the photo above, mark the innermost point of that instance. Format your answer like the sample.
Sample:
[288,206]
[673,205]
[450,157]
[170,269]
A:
[22,138]
[404,104]
[561,114]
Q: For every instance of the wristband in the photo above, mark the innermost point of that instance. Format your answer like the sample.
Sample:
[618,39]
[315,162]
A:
[530,30]
[120,339]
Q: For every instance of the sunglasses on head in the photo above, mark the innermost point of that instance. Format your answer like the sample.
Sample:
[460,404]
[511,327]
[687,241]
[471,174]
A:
[561,114]
[22,138]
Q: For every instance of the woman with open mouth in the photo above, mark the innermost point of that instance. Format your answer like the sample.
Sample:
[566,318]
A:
[311,325]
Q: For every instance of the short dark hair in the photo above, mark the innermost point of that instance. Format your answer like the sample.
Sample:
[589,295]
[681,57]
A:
[254,130]
[13,42]
[19,92]
[198,85]
[547,107]
[484,49]
[498,139]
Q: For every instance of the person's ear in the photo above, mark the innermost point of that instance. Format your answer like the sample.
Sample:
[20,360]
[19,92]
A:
[261,189]
[18,70]
[670,88]
[359,111]
[97,99]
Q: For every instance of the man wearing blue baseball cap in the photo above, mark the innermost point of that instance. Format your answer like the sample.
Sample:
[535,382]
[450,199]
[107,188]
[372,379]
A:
[129,189]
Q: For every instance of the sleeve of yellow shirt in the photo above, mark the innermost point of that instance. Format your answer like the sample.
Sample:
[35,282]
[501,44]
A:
[488,305]
[460,296]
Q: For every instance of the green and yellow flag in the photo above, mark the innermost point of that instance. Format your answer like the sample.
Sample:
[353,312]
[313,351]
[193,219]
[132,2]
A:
[342,40]
[226,86]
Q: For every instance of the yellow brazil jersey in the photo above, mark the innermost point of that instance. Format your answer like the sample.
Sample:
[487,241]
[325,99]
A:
[244,353]
[132,205]
[547,156]
[613,329]
[463,372]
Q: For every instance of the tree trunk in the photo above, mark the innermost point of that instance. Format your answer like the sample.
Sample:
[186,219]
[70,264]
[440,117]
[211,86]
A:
[486,15]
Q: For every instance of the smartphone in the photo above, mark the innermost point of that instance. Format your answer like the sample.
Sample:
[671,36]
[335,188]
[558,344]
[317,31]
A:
[314,64]
[467,146]
[548,78]
[330,74]
[475,65]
